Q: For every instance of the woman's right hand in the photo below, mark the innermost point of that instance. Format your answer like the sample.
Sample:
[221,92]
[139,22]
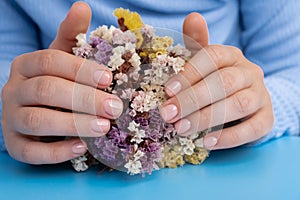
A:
[44,80]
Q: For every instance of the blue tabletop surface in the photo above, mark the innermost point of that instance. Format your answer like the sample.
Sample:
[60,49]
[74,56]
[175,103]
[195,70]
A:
[269,171]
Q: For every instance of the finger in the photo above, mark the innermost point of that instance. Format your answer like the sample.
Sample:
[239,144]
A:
[213,88]
[61,64]
[61,93]
[77,21]
[35,152]
[195,32]
[206,61]
[237,106]
[37,121]
[249,130]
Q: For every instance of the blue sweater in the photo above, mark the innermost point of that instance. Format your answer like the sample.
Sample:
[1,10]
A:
[268,32]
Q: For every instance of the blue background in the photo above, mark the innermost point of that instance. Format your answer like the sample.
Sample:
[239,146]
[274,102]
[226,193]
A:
[269,171]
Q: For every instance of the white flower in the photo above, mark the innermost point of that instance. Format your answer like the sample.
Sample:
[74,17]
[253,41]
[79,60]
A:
[176,63]
[132,113]
[186,146]
[116,59]
[199,142]
[81,40]
[130,47]
[133,167]
[135,61]
[133,126]
[127,93]
[135,75]
[179,50]
[79,163]
[103,32]
[138,155]
[139,134]
[121,78]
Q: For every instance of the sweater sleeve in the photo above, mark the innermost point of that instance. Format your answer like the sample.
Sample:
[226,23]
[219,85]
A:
[271,39]
[18,34]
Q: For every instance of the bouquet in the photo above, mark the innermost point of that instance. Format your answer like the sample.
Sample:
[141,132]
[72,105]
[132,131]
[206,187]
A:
[139,141]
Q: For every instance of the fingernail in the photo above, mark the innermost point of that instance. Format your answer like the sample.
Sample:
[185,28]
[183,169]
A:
[102,77]
[79,148]
[210,142]
[113,107]
[168,112]
[173,88]
[100,125]
[183,126]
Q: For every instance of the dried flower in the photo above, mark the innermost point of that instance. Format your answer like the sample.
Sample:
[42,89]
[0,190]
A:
[139,141]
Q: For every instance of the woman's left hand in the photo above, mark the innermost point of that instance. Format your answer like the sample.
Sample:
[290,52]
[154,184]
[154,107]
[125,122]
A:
[218,85]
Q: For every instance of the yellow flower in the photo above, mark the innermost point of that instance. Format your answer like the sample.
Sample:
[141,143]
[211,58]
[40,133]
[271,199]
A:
[132,21]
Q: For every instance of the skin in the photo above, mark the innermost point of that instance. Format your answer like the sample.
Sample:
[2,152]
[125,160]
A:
[47,78]
[218,85]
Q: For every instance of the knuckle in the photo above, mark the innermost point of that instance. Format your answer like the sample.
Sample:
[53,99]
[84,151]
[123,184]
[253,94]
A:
[228,80]
[190,98]
[259,73]
[236,51]
[235,138]
[75,69]
[256,128]
[54,155]
[26,153]
[242,103]
[15,63]
[87,102]
[5,93]
[215,52]
[44,90]
[204,119]
[46,58]
[32,121]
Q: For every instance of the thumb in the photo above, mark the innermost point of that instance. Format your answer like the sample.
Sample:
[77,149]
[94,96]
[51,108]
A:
[195,32]
[77,21]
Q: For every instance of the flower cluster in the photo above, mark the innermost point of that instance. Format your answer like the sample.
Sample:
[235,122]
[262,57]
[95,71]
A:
[139,141]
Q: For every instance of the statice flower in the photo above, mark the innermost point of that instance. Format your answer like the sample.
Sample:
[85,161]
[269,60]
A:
[104,51]
[121,38]
[79,163]
[103,32]
[139,141]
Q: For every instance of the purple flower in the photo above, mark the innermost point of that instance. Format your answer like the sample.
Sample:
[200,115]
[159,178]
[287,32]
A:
[104,52]
[94,41]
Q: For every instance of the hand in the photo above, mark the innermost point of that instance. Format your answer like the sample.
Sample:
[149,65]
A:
[218,85]
[44,80]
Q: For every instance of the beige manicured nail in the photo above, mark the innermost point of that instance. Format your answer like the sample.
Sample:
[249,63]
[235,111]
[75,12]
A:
[113,107]
[79,148]
[173,88]
[210,142]
[102,77]
[100,125]
[168,112]
[183,126]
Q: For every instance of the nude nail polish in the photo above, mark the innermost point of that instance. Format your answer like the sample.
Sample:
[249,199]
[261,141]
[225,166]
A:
[79,148]
[183,126]
[102,77]
[113,107]
[169,112]
[100,126]
[173,88]
[210,142]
